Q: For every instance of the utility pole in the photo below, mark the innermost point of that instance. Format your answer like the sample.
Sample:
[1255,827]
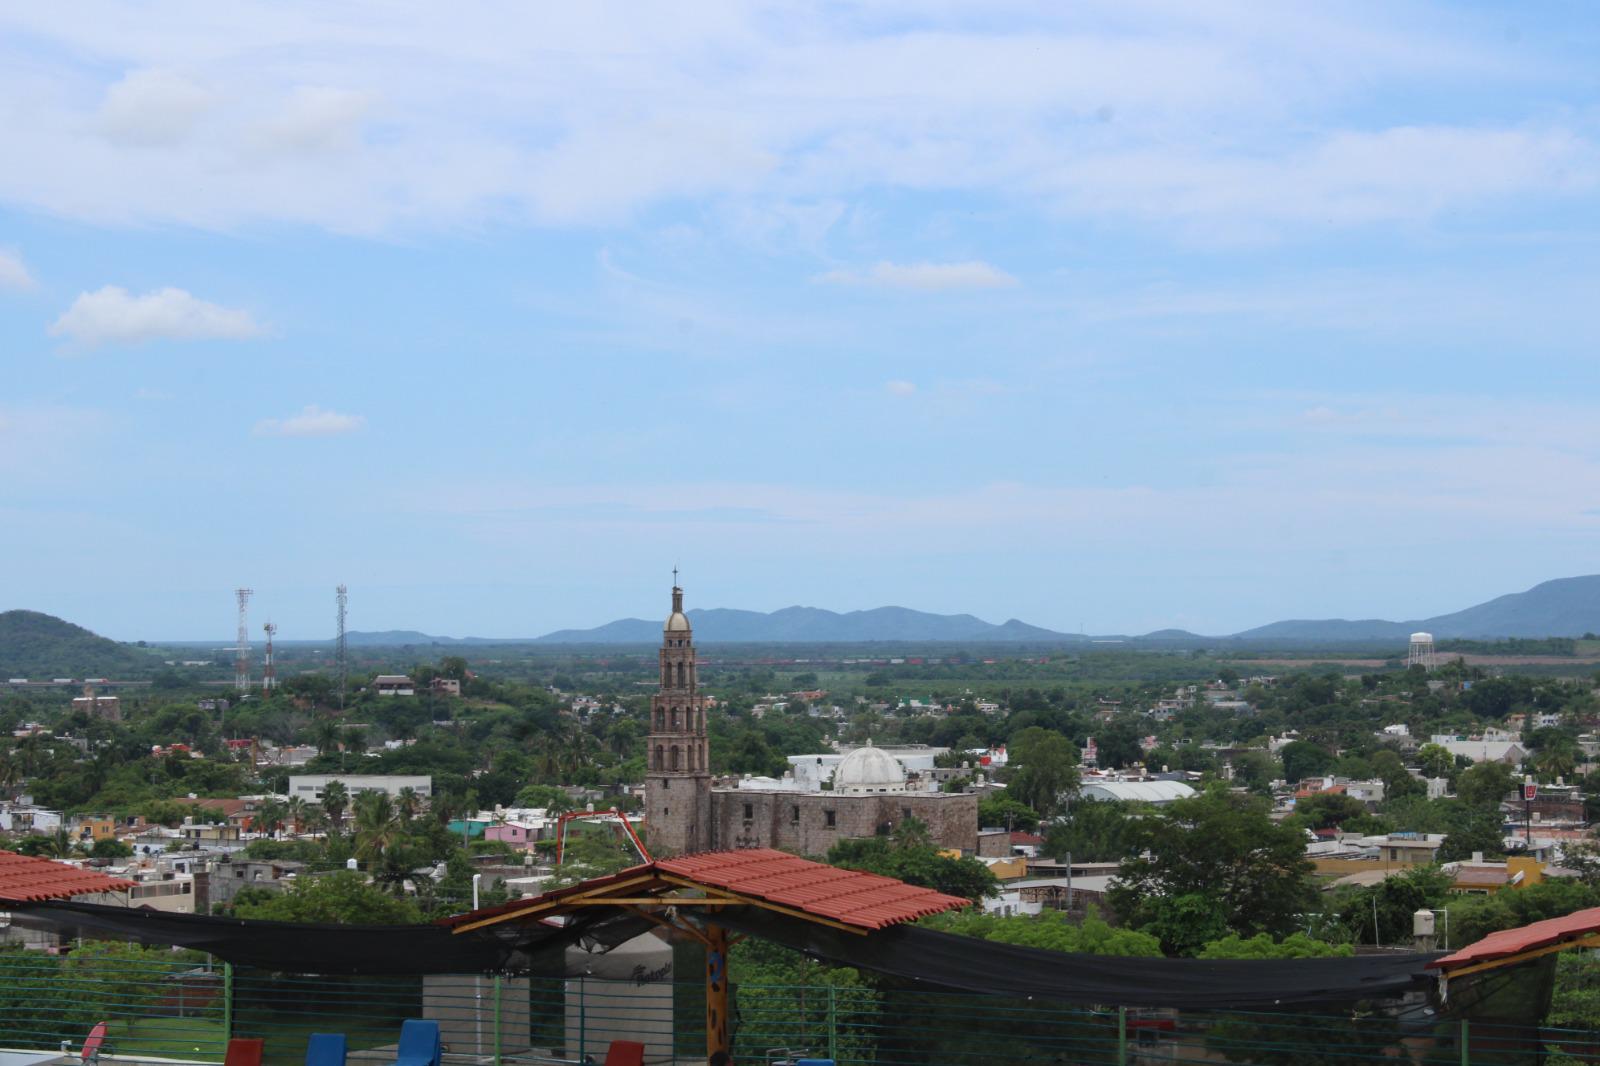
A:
[241,659]
[342,597]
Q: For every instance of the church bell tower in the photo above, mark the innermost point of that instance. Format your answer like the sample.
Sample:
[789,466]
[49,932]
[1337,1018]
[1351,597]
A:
[678,781]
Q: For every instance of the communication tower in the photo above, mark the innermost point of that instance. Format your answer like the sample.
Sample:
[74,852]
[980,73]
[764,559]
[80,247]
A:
[269,675]
[1422,652]
[241,652]
[343,598]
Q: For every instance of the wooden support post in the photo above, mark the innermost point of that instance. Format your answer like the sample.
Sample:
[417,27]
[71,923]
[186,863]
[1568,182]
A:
[717,993]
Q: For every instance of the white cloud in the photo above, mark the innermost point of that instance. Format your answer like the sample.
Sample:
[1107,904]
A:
[318,120]
[972,274]
[612,109]
[113,315]
[311,422]
[152,109]
[900,388]
[1343,178]
[13,272]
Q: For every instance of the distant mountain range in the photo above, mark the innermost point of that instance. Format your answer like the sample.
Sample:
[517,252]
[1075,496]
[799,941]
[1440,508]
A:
[813,625]
[33,644]
[1567,607]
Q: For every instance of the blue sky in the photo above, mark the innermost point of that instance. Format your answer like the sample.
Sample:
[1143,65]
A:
[1115,316]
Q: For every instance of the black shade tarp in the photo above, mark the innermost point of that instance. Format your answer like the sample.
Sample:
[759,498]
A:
[322,948]
[946,960]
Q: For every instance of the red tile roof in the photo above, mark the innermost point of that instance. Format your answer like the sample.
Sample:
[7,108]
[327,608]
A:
[849,896]
[764,877]
[23,877]
[1510,942]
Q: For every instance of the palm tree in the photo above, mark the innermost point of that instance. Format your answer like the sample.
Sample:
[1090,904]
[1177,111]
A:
[335,800]
[60,843]
[378,826]
[408,803]
[315,820]
[325,735]
[1558,758]
[295,812]
[355,743]
[269,816]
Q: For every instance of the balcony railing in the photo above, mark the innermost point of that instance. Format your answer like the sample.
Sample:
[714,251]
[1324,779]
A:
[186,1012]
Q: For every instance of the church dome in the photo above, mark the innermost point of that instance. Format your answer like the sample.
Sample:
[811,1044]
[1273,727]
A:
[869,770]
[677,621]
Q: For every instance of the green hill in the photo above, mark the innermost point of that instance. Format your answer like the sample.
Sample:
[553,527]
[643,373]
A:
[41,647]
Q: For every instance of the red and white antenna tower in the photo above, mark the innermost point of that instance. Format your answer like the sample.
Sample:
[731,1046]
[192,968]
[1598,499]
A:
[241,652]
[269,675]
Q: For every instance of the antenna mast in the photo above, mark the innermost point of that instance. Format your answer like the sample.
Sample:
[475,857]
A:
[343,598]
[269,674]
[241,659]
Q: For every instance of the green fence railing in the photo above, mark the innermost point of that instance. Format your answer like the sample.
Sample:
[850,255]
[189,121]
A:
[186,1011]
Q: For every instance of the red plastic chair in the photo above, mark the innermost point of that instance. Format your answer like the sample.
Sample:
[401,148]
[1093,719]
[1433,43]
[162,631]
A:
[93,1042]
[625,1053]
[243,1052]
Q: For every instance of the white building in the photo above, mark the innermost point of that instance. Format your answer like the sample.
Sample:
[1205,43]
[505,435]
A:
[310,786]
[1495,745]
[394,685]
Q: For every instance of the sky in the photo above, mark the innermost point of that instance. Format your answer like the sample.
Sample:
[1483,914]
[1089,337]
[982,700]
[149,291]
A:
[1105,316]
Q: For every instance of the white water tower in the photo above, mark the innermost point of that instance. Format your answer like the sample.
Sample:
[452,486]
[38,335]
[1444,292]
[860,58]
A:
[1422,652]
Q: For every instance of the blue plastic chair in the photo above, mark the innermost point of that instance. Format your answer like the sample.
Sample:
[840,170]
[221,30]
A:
[419,1043]
[325,1049]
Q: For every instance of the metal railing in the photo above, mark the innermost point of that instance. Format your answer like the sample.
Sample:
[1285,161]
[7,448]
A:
[186,1011]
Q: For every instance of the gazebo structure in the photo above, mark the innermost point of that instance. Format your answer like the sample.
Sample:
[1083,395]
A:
[688,895]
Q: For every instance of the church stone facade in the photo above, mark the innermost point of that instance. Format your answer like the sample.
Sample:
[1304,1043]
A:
[684,813]
[677,787]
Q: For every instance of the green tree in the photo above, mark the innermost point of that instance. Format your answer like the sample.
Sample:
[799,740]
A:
[554,800]
[335,801]
[1393,901]
[1050,930]
[1262,946]
[1485,784]
[1303,759]
[1097,831]
[1324,810]
[1223,850]
[999,811]
[111,848]
[1046,769]
[1436,760]
[1474,830]
[912,859]
[377,826]
[343,897]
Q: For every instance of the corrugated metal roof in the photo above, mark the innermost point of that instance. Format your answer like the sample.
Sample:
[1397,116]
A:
[1146,791]
[766,876]
[23,877]
[1508,942]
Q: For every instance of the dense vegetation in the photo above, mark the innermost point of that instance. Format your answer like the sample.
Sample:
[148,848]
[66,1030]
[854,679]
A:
[42,647]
